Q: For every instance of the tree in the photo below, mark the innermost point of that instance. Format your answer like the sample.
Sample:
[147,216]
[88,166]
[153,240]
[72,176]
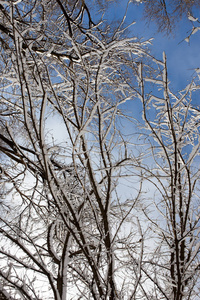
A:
[65,228]
[166,14]
[174,146]
[67,231]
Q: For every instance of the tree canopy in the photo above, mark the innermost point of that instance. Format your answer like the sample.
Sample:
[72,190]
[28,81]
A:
[99,165]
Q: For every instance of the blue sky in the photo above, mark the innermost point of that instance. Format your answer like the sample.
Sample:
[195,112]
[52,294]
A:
[182,57]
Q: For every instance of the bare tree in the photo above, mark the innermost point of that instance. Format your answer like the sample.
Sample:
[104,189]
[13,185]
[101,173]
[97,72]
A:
[174,127]
[66,229]
[64,234]
[167,13]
